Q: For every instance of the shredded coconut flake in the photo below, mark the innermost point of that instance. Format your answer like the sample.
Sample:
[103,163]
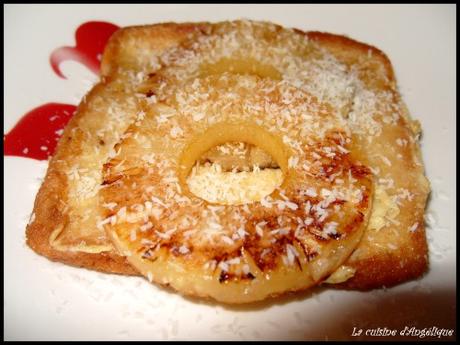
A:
[183,249]
[293,161]
[330,228]
[133,235]
[311,192]
[234,261]
[228,240]
[291,253]
[223,266]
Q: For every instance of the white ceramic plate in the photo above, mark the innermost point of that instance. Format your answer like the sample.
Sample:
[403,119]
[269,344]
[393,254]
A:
[50,301]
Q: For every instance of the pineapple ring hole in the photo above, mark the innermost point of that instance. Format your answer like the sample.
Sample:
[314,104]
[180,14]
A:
[210,170]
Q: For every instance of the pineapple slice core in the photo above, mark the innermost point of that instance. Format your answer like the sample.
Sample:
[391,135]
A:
[213,184]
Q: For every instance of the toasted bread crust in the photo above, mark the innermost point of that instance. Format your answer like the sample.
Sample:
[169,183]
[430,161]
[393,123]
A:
[123,47]
[50,211]
[384,271]
[349,49]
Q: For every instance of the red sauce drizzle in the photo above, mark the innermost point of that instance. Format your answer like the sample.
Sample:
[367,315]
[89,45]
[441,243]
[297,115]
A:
[38,131]
[36,134]
[91,38]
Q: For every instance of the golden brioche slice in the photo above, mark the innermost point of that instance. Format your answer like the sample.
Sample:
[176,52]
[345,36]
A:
[394,245]
[64,222]
[358,81]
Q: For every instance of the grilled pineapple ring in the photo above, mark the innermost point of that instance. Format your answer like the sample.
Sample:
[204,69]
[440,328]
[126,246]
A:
[290,240]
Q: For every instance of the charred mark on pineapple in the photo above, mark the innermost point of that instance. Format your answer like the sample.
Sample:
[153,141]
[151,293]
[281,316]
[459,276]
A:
[149,93]
[357,220]
[227,276]
[250,276]
[360,171]
[335,236]
[111,180]
[149,256]
[148,253]
[364,200]
[297,261]
[311,256]
[224,276]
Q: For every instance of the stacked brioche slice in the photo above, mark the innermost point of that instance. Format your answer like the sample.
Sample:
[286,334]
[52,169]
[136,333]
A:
[144,68]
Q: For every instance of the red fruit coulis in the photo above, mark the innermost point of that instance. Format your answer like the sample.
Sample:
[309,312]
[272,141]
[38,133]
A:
[37,132]
[91,38]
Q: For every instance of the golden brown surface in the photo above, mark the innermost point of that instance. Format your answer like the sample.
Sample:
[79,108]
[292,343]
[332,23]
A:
[393,253]
[64,226]
[59,229]
[290,241]
[394,245]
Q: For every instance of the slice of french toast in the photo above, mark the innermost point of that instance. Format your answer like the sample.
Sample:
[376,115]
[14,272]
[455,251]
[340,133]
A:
[67,219]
